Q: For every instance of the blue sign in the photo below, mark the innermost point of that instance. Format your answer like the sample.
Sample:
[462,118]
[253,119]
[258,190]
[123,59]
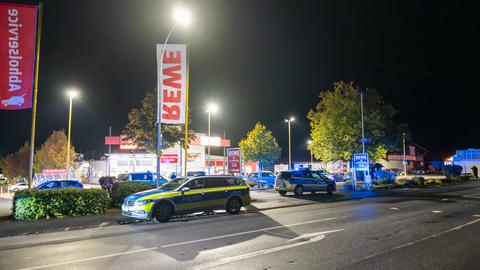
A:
[360,162]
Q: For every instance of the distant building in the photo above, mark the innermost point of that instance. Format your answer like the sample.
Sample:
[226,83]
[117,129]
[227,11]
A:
[414,156]
[467,159]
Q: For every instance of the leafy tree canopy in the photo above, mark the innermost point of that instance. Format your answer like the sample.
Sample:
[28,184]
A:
[141,126]
[53,152]
[16,164]
[260,146]
[336,124]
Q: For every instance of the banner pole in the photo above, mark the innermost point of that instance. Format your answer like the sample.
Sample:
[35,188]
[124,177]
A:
[35,94]
[186,116]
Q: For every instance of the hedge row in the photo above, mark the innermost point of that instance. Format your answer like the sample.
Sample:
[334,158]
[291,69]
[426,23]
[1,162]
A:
[120,190]
[36,204]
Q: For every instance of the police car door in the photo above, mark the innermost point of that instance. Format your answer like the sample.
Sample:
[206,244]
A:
[193,199]
[321,181]
[215,192]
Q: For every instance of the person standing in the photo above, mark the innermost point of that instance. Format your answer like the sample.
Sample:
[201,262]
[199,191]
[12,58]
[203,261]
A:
[475,171]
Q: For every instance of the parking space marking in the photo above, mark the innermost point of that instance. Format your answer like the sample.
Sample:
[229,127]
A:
[306,239]
[89,259]
[247,232]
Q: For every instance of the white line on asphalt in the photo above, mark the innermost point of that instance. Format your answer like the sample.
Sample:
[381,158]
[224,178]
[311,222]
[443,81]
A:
[247,232]
[436,211]
[89,259]
[425,238]
[394,208]
[438,234]
[177,244]
[313,237]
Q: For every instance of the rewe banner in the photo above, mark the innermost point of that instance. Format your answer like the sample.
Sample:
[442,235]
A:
[17,55]
[172,82]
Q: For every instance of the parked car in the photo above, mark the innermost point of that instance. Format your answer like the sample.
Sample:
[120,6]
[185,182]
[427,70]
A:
[420,171]
[56,184]
[196,173]
[17,187]
[298,181]
[261,179]
[188,195]
[397,171]
[146,177]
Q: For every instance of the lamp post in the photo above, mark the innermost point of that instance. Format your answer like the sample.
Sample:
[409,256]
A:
[311,153]
[71,95]
[289,122]
[182,17]
[211,108]
[404,155]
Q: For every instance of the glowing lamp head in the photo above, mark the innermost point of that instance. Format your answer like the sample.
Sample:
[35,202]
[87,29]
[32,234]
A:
[182,16]
[72,94]
[212,108]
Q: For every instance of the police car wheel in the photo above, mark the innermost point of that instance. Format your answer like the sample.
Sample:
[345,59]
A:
[282,192]
[233,206]
[298,190]
[329,189]
[162,212]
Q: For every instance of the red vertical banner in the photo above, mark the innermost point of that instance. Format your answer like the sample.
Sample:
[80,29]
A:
[17,55]
[234,160]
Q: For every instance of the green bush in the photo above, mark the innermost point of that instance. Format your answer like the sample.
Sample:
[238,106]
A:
[433,182]
[37,204]
[418,181]
[121,190]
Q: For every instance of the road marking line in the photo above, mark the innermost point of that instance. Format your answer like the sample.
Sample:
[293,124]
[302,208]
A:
[247,232]
[394,208]
[437,211]
[313,237]
[425,238]
[438,234]
[89,259]
[177,244]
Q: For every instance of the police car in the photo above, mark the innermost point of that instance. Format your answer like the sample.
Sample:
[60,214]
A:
[188,195]
[298,181]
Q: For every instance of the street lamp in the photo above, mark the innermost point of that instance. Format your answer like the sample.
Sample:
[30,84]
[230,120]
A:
[71,95]
[289,121]
[181,16]
[311,153]
[211,108]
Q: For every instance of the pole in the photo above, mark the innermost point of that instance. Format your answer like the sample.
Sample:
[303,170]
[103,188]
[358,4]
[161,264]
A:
[404,156]
[363,125]
[186,119]
[35,93]
[109,134]
[224,137]
[208,155]
[289,147]
[69,134]
[311,158]
[159,112]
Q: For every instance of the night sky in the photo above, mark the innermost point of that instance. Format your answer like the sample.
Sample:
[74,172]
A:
[260,61]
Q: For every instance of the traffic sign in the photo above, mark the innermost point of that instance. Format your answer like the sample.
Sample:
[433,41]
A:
[360,162]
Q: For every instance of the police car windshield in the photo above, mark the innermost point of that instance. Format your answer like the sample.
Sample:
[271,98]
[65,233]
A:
[173,184]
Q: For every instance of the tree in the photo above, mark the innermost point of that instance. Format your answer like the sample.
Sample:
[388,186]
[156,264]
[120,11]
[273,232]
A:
[336,123]
[15,165]
[53,152]
[260,146]
[142,129]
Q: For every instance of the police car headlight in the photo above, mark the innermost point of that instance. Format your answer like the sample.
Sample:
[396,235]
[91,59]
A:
[142,202]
